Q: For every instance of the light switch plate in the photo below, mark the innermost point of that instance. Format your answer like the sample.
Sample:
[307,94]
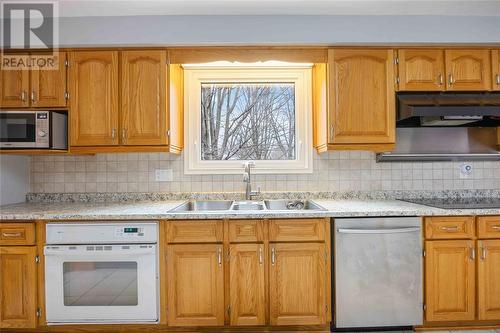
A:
[163,175]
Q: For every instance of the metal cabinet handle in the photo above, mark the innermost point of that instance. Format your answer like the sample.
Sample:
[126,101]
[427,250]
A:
[449,229]
[23,95]
[440,79]
[378,231]
[273,256]
[33,96]
[261,256]
[124,134]
[495,227]
[113,133]
[472,254]
[450,78]
[332,131]
[483,253]
[12,234]
[497,79]
[219,256]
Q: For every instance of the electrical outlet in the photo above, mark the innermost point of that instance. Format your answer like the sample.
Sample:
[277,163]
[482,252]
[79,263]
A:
[163,175]
[465,170]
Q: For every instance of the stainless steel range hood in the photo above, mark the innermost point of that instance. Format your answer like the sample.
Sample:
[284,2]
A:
[446,127]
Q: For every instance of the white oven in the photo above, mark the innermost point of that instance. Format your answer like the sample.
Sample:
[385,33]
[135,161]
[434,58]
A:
[101,272]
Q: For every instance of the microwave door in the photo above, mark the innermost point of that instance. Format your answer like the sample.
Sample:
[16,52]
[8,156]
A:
[17,129]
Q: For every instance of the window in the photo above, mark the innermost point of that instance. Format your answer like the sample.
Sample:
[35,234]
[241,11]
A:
[259,113]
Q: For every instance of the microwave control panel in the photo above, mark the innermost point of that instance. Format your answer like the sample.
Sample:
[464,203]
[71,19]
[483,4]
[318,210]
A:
[42,129]
[128,232]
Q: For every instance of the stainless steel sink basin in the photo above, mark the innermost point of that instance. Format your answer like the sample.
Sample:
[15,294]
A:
[248,205]
[203,206]
[291,205]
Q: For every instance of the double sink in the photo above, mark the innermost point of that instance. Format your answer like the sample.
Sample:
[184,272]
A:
[250,205]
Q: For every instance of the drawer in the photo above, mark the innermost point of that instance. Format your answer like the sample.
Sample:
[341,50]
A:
[189,231]
[241,231]
[17,233]
[296,230]
[488,227]
[449,227]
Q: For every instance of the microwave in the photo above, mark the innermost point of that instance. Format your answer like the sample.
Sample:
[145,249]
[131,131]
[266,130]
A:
[33,129]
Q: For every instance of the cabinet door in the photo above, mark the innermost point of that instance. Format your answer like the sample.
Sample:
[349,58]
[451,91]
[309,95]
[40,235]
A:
[49,86]
[495,63]
[14,88]
[421,70]
[468,69]
[297,284]
[93,78]
[17,287]
[246,286]
[450,280]
[195,285]
[143,98]
[362,96]
[489,279]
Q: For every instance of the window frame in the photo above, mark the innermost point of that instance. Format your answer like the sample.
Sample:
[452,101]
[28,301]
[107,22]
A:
[298,74]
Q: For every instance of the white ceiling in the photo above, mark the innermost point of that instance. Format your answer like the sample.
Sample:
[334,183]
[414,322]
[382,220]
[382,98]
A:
[81,8]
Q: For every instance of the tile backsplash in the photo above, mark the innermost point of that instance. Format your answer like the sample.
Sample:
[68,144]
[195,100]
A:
[333,171]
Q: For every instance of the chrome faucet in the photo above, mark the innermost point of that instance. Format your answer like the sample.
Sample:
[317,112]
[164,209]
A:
[247,179]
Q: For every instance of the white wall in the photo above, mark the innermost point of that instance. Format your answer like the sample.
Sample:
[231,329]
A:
[14,178]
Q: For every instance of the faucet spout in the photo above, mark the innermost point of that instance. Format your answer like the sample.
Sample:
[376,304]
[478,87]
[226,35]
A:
[248,180]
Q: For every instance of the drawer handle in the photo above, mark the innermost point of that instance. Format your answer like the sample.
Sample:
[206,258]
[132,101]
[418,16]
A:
[12,234]
[449,229]
[495,227]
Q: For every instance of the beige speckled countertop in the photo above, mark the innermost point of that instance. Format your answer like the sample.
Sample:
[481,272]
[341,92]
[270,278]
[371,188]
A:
[155,210]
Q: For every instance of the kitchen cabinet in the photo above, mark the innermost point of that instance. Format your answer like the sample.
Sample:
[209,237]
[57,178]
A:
[361,86]
[468,70]
[450,280]
[495,65]
[93,82]
[421,69]
[247,287]
[297,284]
[489,279]
[195,278]
[143,97]
[18,287]
[35,87]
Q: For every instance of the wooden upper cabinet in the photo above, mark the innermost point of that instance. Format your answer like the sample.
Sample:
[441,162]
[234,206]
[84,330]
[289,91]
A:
[362,96]
[495,64]
[14,88]
[421,70]
[144,97]
[93,81]
[468,70]
[48,87]
[297,286]
[195,276]
[450,280]
[489,279]
[247,287]
[17,287]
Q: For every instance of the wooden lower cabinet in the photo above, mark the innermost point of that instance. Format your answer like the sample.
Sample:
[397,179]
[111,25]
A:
[195,279]
[17,287]
[297,284]
[450,280]
[247,287]
[489,279]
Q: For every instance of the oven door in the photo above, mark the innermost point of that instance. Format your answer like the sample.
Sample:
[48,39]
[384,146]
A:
[101,283]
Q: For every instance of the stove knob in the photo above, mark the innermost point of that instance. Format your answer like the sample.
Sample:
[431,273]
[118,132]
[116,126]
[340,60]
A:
[42,134]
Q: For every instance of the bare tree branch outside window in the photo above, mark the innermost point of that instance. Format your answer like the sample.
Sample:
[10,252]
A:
[248,121]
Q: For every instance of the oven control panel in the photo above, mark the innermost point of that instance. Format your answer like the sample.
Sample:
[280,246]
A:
[128,232]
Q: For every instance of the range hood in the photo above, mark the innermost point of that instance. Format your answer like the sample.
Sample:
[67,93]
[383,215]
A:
[446,127]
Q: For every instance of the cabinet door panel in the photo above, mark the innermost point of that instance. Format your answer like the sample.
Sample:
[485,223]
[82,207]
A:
[468,69]
[48,86]
[495,63]
[94,98]
[143,98]
[297,284]
[450,280]
[246,286]
[421,70]
[17,287]
[362,96]
[489,279]
[195,285]
[14,88]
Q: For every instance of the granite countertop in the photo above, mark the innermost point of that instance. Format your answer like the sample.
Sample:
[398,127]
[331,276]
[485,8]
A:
[154,210]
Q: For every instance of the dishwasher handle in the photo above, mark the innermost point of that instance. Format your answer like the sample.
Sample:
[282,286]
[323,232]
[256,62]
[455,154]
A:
[378,230]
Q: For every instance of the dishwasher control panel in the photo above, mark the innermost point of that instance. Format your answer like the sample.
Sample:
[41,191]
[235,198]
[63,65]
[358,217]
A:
[129,232]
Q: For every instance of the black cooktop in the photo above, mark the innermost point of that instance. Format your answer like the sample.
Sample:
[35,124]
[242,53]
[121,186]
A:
[458,203]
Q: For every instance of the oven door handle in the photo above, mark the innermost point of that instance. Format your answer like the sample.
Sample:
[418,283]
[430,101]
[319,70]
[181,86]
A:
[66,251]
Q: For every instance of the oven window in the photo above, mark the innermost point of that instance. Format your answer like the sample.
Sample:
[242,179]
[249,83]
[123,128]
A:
[100,283]
[17,127]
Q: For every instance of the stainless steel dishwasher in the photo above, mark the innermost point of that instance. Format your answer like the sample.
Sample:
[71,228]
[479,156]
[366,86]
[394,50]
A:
[378,272]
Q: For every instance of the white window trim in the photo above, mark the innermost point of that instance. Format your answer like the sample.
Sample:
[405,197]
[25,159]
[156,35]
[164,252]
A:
[299,74]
